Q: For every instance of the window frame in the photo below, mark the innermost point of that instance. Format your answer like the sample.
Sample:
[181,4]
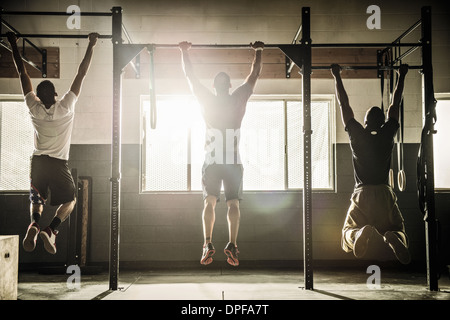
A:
[13,98]
[441,97]
[285,98]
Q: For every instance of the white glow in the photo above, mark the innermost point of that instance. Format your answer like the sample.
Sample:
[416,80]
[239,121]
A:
[440,146]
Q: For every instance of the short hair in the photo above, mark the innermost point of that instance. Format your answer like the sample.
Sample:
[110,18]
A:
[222,75]
[45,89]
[374,118]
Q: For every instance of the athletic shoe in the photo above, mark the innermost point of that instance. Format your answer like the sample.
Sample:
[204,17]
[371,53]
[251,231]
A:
[232,252]
[49,238]
[29,242]
[363,237]
[400,250]
[208,252]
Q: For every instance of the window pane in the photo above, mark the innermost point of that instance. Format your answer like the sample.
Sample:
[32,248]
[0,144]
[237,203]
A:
[16,146]
[320,144]
[165,151]
[262,145]
[440,146]
[198,147]
[168,163]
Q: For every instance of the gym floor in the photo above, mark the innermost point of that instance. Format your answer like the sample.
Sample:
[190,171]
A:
[222,282]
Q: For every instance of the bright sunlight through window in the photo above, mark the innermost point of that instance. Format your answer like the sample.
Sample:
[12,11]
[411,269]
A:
[271,145]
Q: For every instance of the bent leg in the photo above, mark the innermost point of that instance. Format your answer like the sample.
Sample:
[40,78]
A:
[64,210]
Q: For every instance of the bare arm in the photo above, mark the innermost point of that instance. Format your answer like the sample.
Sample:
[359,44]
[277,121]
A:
[20,66]
[394,108]
[84,65]
[186,63]
[341,95]
[256,65]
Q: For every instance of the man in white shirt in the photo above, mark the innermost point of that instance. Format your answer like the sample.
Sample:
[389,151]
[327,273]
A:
[52,120]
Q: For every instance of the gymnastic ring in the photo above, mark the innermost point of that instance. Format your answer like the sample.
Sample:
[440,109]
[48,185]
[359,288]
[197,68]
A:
[391,178]
[401,179]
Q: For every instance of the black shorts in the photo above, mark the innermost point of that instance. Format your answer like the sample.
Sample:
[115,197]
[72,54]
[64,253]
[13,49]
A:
[230,174]
[52,174]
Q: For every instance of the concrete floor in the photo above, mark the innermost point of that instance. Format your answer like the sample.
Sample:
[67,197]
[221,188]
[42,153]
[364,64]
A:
[227,283]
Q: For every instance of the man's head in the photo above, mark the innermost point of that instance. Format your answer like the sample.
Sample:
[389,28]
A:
[222,83]
[46,92]
[374,118]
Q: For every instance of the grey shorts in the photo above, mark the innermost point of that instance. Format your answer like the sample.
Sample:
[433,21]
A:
[51,174]
[230,174]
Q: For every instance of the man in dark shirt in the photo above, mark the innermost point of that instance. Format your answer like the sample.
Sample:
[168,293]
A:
[222,113]
[373,218]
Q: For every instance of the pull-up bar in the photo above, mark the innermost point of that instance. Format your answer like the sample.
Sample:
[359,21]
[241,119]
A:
[382,68]
[216,46]
[364,45]
[59,36]
[51,13]
[272,46]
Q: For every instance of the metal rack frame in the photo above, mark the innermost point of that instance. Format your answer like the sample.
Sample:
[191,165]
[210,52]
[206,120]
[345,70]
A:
[300,54]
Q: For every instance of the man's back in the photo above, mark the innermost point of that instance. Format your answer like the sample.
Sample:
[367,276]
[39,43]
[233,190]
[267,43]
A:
[53,126]
[371,151]
[223,116]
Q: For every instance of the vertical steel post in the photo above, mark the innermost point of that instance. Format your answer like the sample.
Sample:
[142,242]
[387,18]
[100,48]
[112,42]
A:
[428,100]
[72,239]
[116,149]
[307,179]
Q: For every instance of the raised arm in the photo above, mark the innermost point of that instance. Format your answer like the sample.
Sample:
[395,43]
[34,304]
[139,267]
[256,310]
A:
[194,82]
[84,65]
[258,46]
[394,108]
[341,95]
[20,66]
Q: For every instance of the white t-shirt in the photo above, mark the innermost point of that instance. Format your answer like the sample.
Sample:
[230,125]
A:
[52,127]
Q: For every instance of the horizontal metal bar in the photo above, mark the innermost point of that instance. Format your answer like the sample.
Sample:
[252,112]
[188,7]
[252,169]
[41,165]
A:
[11,28]
[50,13]
[62,36]
[363,67]
[215,46]
[364,45]
[324,45]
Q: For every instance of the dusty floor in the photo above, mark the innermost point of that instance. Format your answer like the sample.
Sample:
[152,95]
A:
[233,284]
[226,292]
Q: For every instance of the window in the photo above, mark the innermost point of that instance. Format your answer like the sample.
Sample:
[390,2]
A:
[440,145]
[16,144]
[271,144]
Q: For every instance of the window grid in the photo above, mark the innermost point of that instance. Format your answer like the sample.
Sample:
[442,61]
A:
[271,145]
[16,146]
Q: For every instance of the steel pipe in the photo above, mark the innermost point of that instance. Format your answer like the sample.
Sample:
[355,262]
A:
[382,68]
[62,36]
[50,13]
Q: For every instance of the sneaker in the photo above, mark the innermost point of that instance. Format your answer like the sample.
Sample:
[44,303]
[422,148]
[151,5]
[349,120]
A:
[400,250]
[49,238]
[232,252]
[29,242]
[365,235]
[208,252]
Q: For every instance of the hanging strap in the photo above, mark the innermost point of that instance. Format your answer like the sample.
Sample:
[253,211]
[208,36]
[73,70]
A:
[153,113]
[401,177]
